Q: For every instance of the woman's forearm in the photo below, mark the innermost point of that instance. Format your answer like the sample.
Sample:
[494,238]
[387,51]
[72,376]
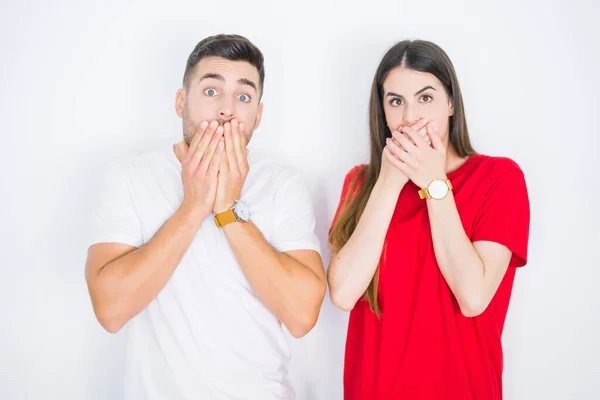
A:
[352,268]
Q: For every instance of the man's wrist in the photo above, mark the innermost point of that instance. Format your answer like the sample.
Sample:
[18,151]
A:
[193,212]
[222,209]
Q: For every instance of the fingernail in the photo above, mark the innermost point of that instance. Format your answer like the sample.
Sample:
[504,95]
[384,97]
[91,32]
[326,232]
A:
[241,127]
[220,130]
[213,124]
[204,124]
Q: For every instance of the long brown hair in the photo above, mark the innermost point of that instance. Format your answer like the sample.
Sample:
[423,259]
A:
[421,56]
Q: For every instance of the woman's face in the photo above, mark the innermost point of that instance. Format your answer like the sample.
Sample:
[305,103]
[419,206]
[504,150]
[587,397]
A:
[410,95]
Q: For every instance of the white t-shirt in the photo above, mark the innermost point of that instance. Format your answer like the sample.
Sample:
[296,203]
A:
[206,335]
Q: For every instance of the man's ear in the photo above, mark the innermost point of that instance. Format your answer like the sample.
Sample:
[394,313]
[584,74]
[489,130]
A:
[179,102]
[258,116]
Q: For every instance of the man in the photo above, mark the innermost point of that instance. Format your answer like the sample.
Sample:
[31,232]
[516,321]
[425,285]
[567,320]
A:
[202,252]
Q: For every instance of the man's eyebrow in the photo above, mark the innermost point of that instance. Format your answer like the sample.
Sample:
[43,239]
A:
[243,81]
[248,82]
[212,75]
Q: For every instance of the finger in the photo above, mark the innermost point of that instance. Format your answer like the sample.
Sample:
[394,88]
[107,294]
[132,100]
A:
[394,161]
[394,149]
[402,155]
[229,144]
[243,147]
[224,170]
[394,134]
[418,124]
[183,148]
[436,141]
[197,137]
[203,143]
[217,159]
[414,136]
[404,142]
[236,126]
[424,135]
[397,144]
[210,150]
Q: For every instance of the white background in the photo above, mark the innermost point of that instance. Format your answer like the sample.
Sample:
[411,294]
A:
[84,82]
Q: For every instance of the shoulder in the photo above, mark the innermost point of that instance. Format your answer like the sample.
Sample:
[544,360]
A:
[355,172]
[150,160]
[275,172]
[283,183]
[497,168]
[141,165]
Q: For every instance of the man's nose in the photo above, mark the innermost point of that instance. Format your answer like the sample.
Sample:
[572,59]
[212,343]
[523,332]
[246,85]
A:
[226,111]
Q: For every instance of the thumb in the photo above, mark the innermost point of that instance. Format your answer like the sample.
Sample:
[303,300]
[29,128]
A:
[183,151]
[436,142]
[183,147]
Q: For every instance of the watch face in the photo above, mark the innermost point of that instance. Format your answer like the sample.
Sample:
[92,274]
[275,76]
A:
[438,189]
[242,211]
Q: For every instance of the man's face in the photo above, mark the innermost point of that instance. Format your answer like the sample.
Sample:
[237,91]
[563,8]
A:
[221,90]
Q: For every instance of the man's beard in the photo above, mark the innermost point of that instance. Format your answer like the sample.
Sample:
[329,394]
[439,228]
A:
[190,128]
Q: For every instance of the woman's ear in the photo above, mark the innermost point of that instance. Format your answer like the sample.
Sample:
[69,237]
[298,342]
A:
[451,107]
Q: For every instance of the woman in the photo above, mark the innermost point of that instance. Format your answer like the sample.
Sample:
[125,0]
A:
[425,242]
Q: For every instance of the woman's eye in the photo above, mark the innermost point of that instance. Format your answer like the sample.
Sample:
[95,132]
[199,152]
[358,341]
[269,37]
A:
[244,98]
[211,92]
[426,99]
[396,102]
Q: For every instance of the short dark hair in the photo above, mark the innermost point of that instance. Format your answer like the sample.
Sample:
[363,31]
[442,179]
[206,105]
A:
[230,47]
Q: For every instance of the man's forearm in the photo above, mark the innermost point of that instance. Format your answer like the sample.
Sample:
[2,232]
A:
[125,286]
[288,288]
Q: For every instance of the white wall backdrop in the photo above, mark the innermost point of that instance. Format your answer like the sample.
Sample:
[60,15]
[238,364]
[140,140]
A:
[84,82]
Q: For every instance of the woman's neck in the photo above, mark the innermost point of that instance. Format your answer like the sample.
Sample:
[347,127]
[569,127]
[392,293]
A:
[453,160]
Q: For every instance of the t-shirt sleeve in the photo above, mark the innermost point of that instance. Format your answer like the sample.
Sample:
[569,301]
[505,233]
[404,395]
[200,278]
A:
[294,217]
[345,187]
[114,218]
[504,216]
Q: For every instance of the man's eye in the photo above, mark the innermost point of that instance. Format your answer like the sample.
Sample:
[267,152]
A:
[244,98]
[211,92]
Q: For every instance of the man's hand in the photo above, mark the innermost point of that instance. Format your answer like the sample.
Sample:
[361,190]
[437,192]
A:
[200,168]
[234,167]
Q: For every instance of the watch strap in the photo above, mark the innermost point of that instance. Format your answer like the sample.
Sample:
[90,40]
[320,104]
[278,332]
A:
[225,218]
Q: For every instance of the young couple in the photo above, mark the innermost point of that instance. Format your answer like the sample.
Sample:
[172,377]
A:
[202,251]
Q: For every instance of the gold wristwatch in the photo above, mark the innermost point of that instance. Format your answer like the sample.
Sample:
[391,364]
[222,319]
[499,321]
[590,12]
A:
[437,189]
[238,213]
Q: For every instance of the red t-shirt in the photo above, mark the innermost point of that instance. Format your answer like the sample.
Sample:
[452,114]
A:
[423,347]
